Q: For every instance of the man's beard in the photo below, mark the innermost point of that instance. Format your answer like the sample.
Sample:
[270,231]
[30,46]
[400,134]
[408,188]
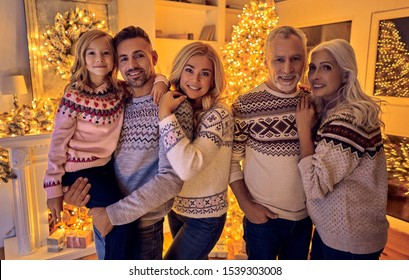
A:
[139,81]
[285,87]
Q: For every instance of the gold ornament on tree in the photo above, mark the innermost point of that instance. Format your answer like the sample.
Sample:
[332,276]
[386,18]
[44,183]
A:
[60,38]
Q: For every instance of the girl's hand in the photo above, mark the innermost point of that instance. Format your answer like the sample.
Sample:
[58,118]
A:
[158,90]
[169,102]
[55,206]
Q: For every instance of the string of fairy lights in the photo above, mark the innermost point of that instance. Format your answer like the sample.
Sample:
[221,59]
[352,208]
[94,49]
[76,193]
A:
[243,57]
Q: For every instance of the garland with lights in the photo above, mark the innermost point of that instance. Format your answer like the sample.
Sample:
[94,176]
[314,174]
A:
[60,38]
[34,119]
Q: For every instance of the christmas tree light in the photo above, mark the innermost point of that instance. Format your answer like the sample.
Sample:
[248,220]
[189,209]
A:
[392,66]
[243,57]
[243,61]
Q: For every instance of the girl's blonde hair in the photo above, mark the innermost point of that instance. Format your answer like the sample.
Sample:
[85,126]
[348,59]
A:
[219,84]
[79,73]
[366,110]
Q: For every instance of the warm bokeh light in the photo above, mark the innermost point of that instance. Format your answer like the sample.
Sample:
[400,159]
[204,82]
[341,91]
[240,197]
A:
[392,65]
[243,57]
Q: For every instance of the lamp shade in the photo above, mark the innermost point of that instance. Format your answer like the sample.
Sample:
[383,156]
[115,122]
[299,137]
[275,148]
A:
[14,85]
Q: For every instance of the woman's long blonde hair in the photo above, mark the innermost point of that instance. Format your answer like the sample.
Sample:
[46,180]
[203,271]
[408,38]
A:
[366,110]
[79,73]
[219,85]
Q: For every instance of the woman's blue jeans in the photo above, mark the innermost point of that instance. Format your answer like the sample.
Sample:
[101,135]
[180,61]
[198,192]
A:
[193,238]
[285,239]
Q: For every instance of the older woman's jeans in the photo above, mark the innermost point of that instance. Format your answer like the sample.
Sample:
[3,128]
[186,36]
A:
[320,251]
[285,239]
[194,238]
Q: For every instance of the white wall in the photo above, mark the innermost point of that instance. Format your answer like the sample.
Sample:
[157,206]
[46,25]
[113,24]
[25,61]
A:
[13,47]
[303,13]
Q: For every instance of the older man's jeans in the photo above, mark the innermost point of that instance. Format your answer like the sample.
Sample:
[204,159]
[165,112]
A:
[278,238]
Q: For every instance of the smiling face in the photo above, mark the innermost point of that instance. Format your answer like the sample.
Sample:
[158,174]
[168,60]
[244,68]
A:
[136,62]
[197,76]
[285,60]
[325,75]
[99,60]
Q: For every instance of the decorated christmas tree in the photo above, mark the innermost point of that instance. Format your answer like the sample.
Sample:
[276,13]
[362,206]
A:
[243,57]
[243,60]
[392,66]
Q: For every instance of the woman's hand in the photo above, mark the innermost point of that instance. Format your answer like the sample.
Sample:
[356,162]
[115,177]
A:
[305,116]
[305,121]
[169,102]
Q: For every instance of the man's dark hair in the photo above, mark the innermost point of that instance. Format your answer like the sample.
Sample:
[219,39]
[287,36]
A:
[129,33]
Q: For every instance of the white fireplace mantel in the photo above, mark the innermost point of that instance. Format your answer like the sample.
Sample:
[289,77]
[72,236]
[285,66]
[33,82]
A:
[28,160]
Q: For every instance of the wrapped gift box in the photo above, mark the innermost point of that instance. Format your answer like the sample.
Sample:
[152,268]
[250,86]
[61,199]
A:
[79,238]
[56,241]
[219,251]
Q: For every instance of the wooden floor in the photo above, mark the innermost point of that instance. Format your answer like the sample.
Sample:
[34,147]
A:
[166,244]
[397,247]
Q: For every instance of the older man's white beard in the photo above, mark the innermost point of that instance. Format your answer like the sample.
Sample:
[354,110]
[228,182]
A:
[285,87]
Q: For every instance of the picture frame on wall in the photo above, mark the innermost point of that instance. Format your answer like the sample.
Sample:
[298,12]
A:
[387,68]
[388,57]
[53,27]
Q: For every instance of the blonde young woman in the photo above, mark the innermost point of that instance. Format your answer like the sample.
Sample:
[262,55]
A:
[199,211]
[343,166]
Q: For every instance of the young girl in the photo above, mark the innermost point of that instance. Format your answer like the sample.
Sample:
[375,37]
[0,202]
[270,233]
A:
[344,174]
[199,211]
[86,131]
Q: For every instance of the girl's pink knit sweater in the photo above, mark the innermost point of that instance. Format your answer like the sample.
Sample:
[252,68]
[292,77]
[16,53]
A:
[86,131]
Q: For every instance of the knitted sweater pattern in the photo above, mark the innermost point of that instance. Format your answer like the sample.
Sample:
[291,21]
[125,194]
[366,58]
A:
[266,142]
[345,181]
[86,130]
[203,164]
[143,171]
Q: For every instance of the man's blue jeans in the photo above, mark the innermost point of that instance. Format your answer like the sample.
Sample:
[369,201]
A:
[147,241]
[285,239]
[193,238]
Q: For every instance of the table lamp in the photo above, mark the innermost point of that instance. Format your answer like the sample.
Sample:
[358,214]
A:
[14,85]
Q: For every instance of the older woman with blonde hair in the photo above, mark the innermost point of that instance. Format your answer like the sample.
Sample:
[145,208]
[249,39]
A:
[343,166]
